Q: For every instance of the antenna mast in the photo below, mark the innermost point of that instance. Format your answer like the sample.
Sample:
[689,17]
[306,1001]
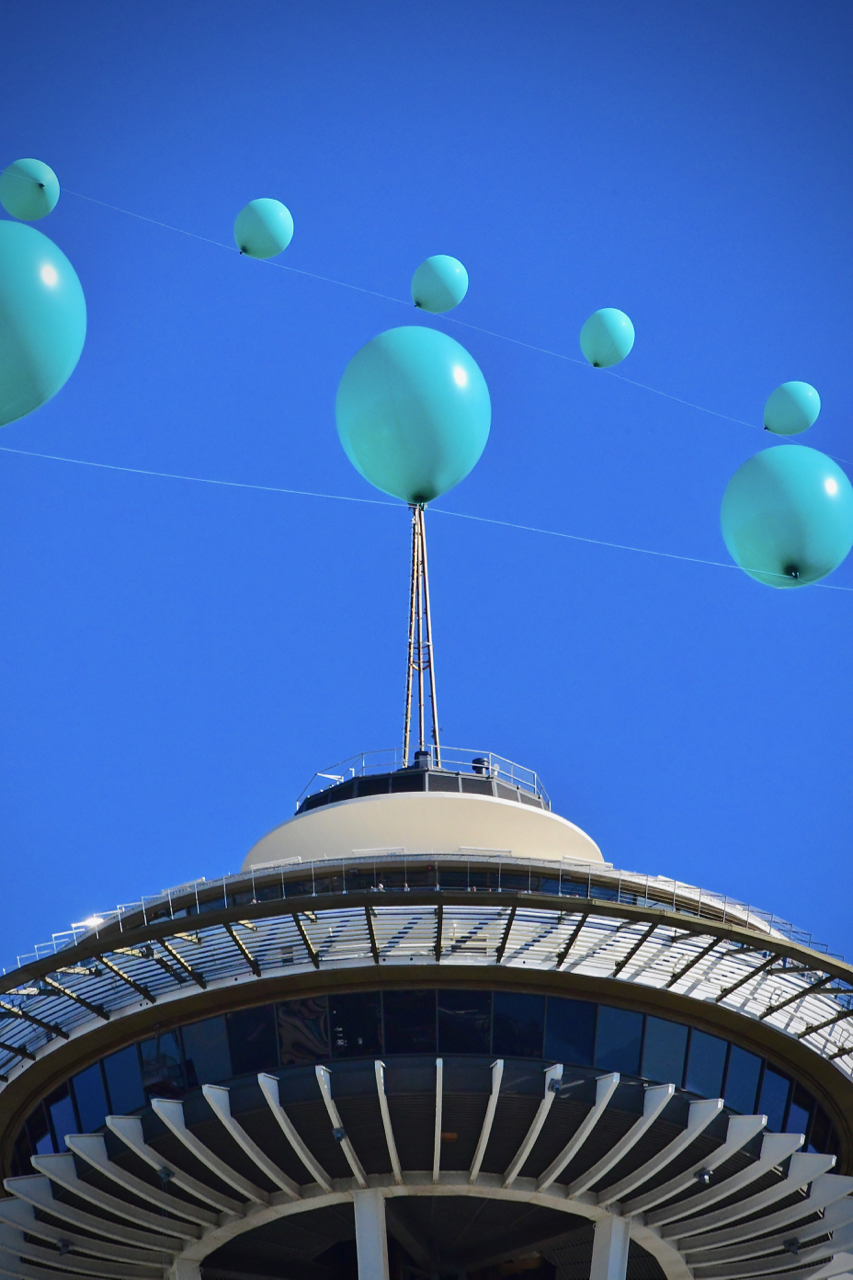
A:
[420,656]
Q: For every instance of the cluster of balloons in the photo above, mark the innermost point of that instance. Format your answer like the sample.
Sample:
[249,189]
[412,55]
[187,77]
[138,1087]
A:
[42,306]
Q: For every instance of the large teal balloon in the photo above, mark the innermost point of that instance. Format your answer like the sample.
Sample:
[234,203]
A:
[439,284]
[791,408]
[29,189]
[413,412]
[263,229]
[787,516]
[42,320]
[607,337]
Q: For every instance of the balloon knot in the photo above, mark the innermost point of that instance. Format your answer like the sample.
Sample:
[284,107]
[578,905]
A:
[417,304]
[41,184]
[792,570]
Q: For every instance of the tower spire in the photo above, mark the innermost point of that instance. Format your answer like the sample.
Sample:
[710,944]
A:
[421,660]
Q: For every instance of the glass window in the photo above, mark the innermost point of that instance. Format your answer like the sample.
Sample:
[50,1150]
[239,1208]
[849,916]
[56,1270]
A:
[124,1081]
[823,1135]
[774,1097]
[742,1080]
[706,1061]
[464,1021]
[410,1025]
[570,1031]
[303,1030]
[91,1099]
[162,1069]
[664,1048]
[617,1040]
[62,1118]
[800,1111]
[355,1021]
[38,1132]
[206,1054]
[518,1025]
[252,1040]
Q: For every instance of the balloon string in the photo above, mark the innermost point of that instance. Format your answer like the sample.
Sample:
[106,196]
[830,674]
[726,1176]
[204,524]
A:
[383,502]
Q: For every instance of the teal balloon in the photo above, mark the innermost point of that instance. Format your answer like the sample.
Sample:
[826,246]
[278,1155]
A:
[787,516]
[263,229]
[607,337]
[791,408]
[439,284]
[42,320]
[29,189]
[413,413]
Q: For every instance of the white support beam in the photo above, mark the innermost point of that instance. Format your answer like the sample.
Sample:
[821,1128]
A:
[129,1130]
[828,1193]
[741,1130]
[37,1191]
[488,1120]
[553,1076]
[379,1069]
[92,1149]
[324,1080]
[654,1101]
[172,1115]
[610,1249]
[835,1216]
[371,1238]
[21,1215]
[439,1099]
[219,1101]
[699,1116]
[788,1261]
[61,1170]
[270,1090]
[13,1242]
[605,1087]
[183,1269]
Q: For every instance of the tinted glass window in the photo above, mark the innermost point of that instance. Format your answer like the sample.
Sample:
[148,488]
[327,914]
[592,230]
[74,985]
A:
[800,1112]
[742,1081]
[208,1060]
[91,1099]
[162,1072]
[464,1019]
[664,1048]
[38,1131]
[410,1021]
[355,1022]
[706,1061]
[124,1081]
[822,1136]
[570,1031]
[518,1025]
[252,1040]
[617,1040]
[774,1098]
[62,1117]
[303,1030]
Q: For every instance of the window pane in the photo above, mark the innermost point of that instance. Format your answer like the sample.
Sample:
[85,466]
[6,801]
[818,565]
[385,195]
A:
[162,1072]
[823,1137]
[464,1021]
[800,1112]
[617,1040]
[38,1131]
[519,1024]
[664,1047]
[252,1040]
[91,1099]
[206,1052]
[124,1081]
[410,1025]
[742,1081]
[355,1021]
[303,1030]
[706,1060]
[774,1096]
[570,1031]
[62,1116]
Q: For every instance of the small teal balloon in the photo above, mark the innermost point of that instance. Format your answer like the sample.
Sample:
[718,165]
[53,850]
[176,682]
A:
[439,284]
[42,320]
[413,413]
[263,229]
[791,408]
[607,337]
[787,516]
[29,189]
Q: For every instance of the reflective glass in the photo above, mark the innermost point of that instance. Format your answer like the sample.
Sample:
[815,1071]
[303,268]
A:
[774,1097]
[742,1081]
[124,1081]
[706,1061]
[570,1031]
[208,1060]
[303,1030]
[664,1047]
[62,1116]
[410,1021]
[355,1021]
[38,1131]
[91,1099]
[518,1025]
[464,1021]
[617,1040]
[800,1111]
[162,1072]
[252,1040]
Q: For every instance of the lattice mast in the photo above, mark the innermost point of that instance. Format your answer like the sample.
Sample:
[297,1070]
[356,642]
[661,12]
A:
[421,658]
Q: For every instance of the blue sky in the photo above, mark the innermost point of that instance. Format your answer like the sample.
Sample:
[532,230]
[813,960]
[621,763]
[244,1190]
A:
[176,659]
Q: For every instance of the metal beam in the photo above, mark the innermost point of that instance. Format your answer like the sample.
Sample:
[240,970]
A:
[828,1022]
[699,1116]
[91,1148]
[243,949]
[13,1242]
[740,1131]
[798,995]
[219,1101]
[371,933]
[270,1089]
[61,1170]
[439,1101]
[96,1009]
[18,1050]
[37,1191]
[626,959]
[439,925]
[747,977]
[685,968]
[129,1130]
[379,1069]
[172,1115]
[324,1080]
[21,1214]
[605,1087]
[130,982]
[656,1098]
[488,1120]
[306,941]
[552,1078]
[499,954]
[751,1241]
[575,934]
[185,964]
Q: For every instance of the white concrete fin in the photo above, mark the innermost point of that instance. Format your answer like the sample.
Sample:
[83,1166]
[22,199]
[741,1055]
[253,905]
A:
[219,1100]
[92,1148]
[61,1170]
[371,1237]
[699,1116]
[129,1130]
[21,1214]
[837,1217]
[488,1120]
[379,1069]
[605,1087]
[270,1090]
[324,1080]
[654,1101]
[37,1191]
[741,1130]
[172,1115]
[553,1076]
[610,1249]
[12,1242]
[826,1191]
[439,1098]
